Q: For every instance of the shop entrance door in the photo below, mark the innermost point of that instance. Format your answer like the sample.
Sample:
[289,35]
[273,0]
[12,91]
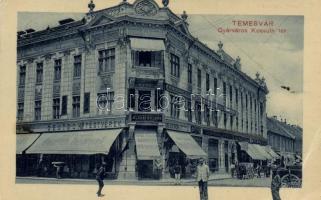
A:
[145,169]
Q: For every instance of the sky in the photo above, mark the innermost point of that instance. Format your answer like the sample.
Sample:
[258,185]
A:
[277,56]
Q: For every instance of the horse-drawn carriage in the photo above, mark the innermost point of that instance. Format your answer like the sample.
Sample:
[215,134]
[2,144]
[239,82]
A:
[291,176]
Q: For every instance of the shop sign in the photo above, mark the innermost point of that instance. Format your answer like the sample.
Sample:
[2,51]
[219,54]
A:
[136,117]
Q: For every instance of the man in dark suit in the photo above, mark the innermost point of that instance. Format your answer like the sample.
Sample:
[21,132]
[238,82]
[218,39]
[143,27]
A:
[100,178]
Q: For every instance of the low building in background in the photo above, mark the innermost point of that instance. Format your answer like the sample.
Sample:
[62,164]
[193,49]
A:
[285,139]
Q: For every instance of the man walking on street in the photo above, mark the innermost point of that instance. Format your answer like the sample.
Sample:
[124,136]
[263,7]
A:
[202,177]
[100,178]
[177,171]
[276,185]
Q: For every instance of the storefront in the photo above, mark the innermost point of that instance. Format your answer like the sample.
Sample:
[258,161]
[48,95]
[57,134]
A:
[185,151]
[148,155]
[79,153]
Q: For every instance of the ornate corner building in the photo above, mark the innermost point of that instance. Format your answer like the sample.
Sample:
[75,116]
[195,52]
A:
[130,85]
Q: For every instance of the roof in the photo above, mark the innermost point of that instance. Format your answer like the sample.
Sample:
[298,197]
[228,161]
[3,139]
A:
[277,127]
[140,9]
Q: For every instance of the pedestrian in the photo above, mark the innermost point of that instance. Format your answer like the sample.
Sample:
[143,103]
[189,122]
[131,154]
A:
[232,170]
[177,171]
[202,177]
[276,185]
[100,178]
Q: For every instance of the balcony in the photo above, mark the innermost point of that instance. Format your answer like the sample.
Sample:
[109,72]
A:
[147,72]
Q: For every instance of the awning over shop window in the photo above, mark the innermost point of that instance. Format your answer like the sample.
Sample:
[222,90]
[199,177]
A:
[80,142]
[24,141]
[142,44]
[187,144]
[252,151]
[262,150]
[146,145]
[272,153]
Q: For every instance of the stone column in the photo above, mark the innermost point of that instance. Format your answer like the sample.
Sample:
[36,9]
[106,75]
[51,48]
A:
[136,99]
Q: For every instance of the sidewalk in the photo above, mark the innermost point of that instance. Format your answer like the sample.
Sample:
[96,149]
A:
[169,181]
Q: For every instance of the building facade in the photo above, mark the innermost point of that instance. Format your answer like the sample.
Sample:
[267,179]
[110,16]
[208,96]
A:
[133,80]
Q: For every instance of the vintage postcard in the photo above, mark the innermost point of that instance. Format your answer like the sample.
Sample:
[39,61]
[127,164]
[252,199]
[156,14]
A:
[149,99]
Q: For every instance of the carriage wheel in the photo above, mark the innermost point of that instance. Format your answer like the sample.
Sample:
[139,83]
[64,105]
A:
[291,181]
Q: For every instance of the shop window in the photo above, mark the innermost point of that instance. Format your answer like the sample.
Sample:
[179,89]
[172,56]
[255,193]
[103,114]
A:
[56,108]
[22,75]
[64,105]
[175,65]
[57,76]
[20,111]
[76,106]
[87,103]
[77,66]
[106,60]
[39,75]
[37,110]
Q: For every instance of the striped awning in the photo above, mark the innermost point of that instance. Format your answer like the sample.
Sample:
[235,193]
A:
[187,144]
[24,141]
[146,144]
[75,143]
[144,44]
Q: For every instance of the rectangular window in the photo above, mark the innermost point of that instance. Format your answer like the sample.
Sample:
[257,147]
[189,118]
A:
[231,94]
[215,117]
[131,99]
[175,65]
[188,109]
[198,113]
[37,110]
[20,111]
[236,97]
[231,122]
[148,58]
[87,103]
[237,123]
[105,101]
[224,93]
[199,78]
[189,73]
[39,75]
[56,108]
[76,106]
[225,120]
[207,82]
[57,75]
[175,109]
[106,60]
[77,66]
[215,86]
[64,105]
[246,102]
[22,75]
